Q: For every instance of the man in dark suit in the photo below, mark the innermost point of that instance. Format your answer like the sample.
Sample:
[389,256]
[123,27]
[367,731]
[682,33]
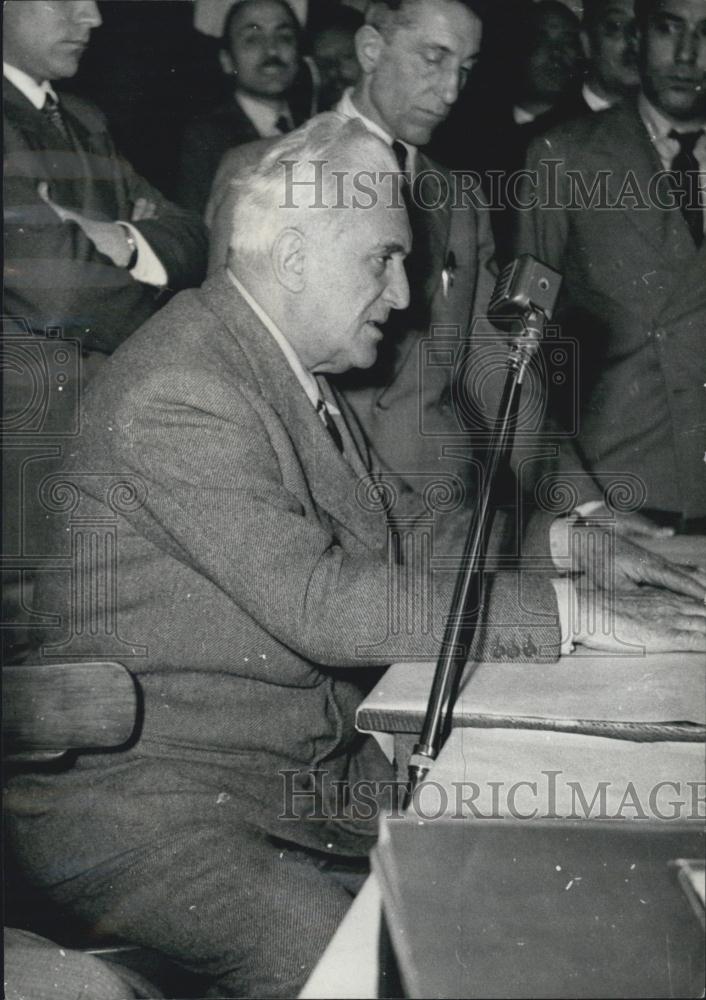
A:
[91,251]
[89,245]
[406,403]
[249,551]
[260,52]
[545,79]
[633,263]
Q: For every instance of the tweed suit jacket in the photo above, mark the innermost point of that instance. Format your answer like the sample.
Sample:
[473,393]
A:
[634,299]
[406,403]
[253,591]
[54,275]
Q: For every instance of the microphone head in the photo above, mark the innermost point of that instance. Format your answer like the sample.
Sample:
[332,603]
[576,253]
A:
[525,285]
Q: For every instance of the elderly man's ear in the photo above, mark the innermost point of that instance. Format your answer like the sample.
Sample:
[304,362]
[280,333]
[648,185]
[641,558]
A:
[288,259]
[369,47]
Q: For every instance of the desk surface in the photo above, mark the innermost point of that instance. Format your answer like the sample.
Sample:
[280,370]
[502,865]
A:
[605,694]
[568,775]
[574,774]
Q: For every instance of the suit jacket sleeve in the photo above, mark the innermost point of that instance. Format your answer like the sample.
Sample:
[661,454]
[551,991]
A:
[200,154]
[218,501]
[177,236]
[54,275]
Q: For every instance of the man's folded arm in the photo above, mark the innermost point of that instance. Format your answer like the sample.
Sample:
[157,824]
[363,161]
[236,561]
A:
[55,276]
[178,237]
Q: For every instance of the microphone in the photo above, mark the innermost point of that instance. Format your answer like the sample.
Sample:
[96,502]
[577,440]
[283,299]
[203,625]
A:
[524,287]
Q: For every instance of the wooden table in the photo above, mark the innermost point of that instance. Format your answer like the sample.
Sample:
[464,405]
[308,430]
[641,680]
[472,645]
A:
[558,767]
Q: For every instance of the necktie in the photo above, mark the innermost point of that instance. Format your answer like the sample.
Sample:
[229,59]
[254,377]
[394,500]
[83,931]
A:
[282,124]
[400,151]
[686,180]
[52,112]
[418,264]
[330,424]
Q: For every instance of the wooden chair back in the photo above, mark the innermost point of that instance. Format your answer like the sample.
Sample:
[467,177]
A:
[51,708]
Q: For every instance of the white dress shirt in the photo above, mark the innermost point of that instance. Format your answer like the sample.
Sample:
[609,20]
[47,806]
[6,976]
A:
[148,268]
[594,101]
[522,117]
[263,115]
[347,108]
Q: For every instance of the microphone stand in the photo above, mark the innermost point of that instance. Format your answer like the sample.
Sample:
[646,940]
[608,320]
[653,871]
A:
[462,620]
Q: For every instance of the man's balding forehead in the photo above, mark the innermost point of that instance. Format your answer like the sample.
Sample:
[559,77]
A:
[386,13]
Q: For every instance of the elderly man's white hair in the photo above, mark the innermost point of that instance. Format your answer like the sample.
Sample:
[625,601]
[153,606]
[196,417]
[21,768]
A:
[311,177]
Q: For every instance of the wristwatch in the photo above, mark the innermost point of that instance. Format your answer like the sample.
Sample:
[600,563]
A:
[132,246]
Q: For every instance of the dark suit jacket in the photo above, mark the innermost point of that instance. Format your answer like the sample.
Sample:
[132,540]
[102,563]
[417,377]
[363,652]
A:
[634,297]
[251,577]
[406,403]
[206,141]
[54,276]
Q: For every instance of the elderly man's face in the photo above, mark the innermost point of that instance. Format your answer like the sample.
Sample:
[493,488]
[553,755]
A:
[263,48]
[612,47]
[673,57]
[356,276]
[422,67]
[47,39]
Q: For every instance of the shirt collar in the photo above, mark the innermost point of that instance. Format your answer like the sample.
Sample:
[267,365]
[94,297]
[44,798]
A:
[522,117]
[594,100]
[304,377]
[34,92]
[347,108]
[658,126]
[263,115]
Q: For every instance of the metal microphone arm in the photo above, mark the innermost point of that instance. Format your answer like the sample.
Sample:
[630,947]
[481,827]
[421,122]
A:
[462,619]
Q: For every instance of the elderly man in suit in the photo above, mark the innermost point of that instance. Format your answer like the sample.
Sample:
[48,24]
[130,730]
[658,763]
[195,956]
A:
[633,258]
[415,56]
[260,54]
[252,558]
[91,251]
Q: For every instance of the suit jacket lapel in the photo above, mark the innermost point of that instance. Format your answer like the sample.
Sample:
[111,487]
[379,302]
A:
[331,477]
[628,143]
[81,173]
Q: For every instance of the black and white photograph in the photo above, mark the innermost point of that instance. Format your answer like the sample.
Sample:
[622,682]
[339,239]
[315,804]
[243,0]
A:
[354,499]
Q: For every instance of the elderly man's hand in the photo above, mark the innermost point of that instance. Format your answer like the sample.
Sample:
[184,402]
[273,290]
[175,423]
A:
[108,237]
[654,620]
[611,561]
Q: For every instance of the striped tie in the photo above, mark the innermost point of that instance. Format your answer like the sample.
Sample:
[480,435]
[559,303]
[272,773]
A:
[52,113]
